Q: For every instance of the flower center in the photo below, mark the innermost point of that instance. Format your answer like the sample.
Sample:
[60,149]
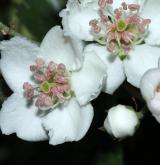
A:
[119,29]
[52,85]
[121,25]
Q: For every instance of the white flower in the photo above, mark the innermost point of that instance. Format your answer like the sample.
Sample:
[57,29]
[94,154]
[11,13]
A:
[140,58]
[68,121]
[150,89]
[121,121]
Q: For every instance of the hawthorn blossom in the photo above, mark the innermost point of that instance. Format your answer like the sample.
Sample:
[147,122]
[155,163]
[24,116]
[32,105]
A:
[150,89]
[51,89]
[123,34]
[121,121]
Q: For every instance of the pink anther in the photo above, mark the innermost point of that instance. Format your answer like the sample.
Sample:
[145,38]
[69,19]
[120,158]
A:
[27,86]
[40,62]
[117,13]
[52,66]
[124,5]
[134,7]
[102,3]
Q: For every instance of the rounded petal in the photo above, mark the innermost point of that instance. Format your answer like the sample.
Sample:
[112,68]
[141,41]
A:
[76,18]
[17,55]
[121,121]
[151,11]
[17,117]
[88,82]
[141,58]
[68,122]
[149,83]
[115,72]
[60,49]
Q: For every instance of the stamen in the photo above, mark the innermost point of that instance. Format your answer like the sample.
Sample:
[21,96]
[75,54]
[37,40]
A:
[117,13]
[40,62]
[53,85]
[103,3]
[104,18]
[134,7]
[124,5]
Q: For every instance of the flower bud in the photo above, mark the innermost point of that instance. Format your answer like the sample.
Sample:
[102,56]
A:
[121,121]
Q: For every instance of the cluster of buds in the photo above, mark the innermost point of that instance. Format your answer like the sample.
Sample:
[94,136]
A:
[52,84]
[121,29]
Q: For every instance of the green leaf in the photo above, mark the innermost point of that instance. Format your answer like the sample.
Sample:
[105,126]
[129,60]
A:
[31,19]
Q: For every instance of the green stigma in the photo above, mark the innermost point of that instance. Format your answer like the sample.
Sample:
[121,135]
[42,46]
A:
[45,87]
[121,25]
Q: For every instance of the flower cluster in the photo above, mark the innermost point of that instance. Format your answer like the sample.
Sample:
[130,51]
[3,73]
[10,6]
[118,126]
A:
[102,43]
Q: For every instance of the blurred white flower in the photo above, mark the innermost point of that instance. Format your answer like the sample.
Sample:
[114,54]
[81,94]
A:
[121,121]
[150,89]
[66,121]
[89,19]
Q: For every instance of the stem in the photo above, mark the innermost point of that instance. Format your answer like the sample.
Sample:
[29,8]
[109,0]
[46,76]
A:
[142,112]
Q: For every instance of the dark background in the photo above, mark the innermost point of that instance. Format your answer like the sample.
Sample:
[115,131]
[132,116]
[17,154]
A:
[33,19]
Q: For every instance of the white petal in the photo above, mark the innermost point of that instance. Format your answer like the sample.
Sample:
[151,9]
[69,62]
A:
[60,49]
[68,122]
[88,82]
[115,72]
[149,83]
[76,18]
[17,55]
[141,58]
[151,11]
[17,117]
